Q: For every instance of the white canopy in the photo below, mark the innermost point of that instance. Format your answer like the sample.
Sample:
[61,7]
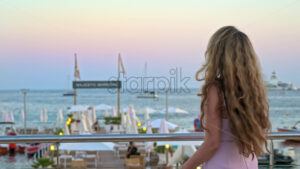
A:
[156,124]
[174,110]
[102,107]
[131,127]
[78,108]
[93,146]
[163,127]
[147,110]
[179,143]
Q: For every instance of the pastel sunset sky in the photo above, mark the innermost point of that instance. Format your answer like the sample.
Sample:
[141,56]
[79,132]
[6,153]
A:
[38,39]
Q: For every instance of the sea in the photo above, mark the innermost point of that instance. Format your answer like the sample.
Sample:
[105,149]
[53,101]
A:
[284,110]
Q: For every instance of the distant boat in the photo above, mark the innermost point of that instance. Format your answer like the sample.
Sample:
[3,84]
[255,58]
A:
[275,84]
[290,129]
[69,93]
[145,94]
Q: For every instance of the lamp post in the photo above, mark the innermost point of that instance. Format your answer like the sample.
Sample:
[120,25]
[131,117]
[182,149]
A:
[24,91]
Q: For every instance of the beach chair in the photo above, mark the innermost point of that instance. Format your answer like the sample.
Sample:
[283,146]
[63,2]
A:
[78,163]
[65,161]
[122,152]
[135,162]
[72,153]
[90,160]
[34,131]
[21,131]
[142,151]
[28,131]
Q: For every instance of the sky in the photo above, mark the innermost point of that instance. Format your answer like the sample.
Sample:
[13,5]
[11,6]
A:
[38,39]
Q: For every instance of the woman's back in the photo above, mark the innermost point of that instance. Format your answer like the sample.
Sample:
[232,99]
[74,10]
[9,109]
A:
[231,71]
[227,156]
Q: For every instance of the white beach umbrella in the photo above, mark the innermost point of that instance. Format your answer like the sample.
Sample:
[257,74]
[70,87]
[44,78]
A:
[147,110]
[174,110]
[102,107]
[126,109]
[149,145]
[60,117]
[163,127]
[42,116]
[92,146]
[134,118]
[12,118]
[66,130]
[5,116]
[123,119]
[78,108]
[114,112]
[146,116]
[85,123]
[131,127]
[94,115]
[157,123]
[90,116]
[149,128]
[45,116]
[22,116]
[106,113]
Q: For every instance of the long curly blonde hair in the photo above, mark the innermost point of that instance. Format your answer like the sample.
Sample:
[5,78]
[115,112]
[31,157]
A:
[232,65]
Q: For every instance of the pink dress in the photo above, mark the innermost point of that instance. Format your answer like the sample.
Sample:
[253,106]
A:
[227,155]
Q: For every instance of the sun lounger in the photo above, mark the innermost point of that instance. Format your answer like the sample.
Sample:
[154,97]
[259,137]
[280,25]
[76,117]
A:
[65,161]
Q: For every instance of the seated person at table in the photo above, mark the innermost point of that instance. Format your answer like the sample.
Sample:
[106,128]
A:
[132,150]
[96,126]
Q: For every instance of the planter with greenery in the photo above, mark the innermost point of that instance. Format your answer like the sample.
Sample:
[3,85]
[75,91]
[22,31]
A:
[112,120]
[43,163]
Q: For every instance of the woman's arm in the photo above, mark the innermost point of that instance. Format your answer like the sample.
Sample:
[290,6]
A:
[213,123]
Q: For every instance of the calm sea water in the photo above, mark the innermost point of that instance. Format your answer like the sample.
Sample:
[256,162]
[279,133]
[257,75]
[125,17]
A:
[284,105]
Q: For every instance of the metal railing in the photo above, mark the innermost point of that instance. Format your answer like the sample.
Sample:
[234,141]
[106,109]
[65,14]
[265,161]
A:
[131,137]
[125,137]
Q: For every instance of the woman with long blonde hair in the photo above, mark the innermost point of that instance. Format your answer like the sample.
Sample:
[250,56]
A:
[234,105]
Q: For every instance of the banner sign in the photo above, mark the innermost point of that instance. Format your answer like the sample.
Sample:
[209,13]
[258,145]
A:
[96,84]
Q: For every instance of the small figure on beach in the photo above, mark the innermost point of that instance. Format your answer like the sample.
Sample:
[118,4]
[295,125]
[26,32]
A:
[234,105]
[132,150]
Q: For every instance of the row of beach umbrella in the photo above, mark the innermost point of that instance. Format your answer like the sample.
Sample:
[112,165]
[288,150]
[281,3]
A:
[103,107]
[10,117]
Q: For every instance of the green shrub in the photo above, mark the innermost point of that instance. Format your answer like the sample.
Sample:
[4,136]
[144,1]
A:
[44,163]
